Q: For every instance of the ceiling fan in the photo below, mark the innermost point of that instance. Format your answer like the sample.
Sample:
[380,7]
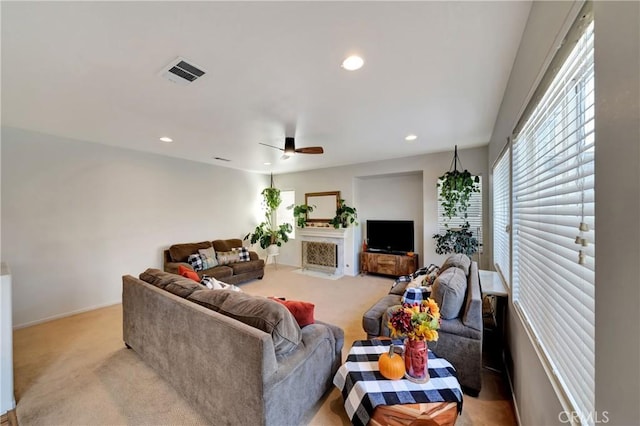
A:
[290,148]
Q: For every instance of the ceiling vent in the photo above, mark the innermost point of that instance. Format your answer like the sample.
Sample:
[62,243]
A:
[181,72]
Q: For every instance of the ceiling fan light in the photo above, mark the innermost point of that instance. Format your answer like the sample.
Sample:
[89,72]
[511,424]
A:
[353,63]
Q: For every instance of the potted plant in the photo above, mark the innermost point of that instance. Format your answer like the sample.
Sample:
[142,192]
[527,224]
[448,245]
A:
[300,213]
[456,188]
[345,216]
[267,233]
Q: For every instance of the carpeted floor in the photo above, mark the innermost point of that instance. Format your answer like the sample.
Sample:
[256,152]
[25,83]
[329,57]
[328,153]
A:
[76,370]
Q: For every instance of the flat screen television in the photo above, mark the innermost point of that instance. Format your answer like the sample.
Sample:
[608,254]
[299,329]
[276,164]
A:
[390,236]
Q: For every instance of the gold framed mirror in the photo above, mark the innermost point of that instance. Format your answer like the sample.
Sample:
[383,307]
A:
[324,205]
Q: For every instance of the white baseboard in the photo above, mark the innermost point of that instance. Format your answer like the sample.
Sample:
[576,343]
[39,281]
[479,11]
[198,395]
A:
[66,314]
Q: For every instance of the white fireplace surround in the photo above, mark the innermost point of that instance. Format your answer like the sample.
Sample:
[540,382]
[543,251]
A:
[326,235]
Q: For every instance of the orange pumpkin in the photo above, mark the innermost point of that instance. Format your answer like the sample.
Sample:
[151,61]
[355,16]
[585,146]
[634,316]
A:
[391,365]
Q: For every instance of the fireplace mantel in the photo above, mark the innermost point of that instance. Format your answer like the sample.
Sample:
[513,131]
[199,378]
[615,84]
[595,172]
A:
[322,232]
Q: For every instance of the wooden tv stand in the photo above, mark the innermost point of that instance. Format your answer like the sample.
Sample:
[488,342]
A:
[388,264]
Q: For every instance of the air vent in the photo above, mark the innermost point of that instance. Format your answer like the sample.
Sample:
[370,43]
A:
[181,71]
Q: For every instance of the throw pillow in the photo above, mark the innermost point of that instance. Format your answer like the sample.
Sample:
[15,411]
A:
[415,295]
[195,260]
[215,284]
[243,252]
[209,257]
[228,257]
[457,260]
[301,311]
[188,273]
[449,292]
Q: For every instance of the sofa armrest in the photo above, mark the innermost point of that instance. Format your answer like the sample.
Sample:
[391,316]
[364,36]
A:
[172,267]
[253,255]
[473,310]
[338,333]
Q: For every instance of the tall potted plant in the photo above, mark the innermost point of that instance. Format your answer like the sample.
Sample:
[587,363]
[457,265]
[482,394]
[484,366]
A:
[268,234]
[456,188]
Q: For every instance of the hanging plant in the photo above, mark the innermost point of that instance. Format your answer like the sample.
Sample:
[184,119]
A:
[345,216]
[456,188]
[300,214]
[267,232]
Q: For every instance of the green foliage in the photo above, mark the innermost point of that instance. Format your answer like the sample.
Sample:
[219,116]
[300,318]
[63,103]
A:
[345,216]
[456,241]
[456,188]
[455,192]
[267,233]
[300,213]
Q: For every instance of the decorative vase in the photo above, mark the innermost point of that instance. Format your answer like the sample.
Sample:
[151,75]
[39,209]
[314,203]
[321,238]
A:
[415,360]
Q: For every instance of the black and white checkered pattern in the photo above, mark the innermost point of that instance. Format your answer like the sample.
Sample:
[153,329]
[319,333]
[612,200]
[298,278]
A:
[364,388]
[415,295]
[195,260]
[427,270]
[243,252]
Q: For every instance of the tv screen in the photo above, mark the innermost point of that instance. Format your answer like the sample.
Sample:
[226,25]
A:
[390,236]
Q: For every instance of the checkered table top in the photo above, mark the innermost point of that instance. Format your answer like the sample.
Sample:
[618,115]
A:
[364,388]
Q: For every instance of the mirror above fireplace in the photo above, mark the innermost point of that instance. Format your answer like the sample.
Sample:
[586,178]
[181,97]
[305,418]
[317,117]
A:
[324,206]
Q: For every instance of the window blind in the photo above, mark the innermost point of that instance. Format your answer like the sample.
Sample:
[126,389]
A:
[553,222]
[501,215]
[474,215]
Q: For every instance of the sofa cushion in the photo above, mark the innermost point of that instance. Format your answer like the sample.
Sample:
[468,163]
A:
[301,311]
[180,286]
[188,273]
[458,260]
[181,252]
[244,267]
[398,287]
[371,318]
[256,311]
[449,291]
[226,245]
[219,272]
[208,257]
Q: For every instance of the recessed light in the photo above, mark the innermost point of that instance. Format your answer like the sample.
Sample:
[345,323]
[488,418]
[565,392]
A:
[166,139]
[353,63]
[410,138]
[267,164]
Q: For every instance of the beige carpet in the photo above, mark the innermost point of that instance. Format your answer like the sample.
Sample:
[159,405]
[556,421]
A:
[76,370]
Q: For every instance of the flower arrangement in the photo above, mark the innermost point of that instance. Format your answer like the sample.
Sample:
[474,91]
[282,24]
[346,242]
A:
[418,321]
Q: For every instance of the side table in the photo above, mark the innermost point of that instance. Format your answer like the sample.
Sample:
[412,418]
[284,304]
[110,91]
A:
[369,398]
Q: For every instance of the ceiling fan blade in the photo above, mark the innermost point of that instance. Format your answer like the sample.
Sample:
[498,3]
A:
[310,150]
[271,146]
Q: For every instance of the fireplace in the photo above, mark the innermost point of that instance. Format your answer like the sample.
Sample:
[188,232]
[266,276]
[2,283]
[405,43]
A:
[320,255]
[323,249]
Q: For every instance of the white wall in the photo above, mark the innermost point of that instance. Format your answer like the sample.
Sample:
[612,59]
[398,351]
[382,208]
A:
[392,197]
[617,70]
[76,216]
[347,180]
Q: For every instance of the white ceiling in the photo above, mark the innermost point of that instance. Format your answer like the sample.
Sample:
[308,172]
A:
[89,71]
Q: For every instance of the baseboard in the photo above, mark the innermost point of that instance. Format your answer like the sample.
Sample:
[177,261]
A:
[66,314]
[513,395]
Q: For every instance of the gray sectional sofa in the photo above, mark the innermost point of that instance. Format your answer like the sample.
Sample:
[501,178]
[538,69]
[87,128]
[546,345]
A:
[239,359]
[460,335]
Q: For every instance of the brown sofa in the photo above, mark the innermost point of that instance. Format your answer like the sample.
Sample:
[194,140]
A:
[238,359]
[233,273]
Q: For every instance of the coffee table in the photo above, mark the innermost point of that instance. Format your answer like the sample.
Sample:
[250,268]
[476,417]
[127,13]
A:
[371,399]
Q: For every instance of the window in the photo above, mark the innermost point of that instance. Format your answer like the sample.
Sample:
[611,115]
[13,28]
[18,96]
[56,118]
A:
[553,222]
[474,216]
[501,215]
[285,215]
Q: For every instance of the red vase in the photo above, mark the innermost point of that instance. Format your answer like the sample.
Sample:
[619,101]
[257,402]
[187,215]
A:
[416,356]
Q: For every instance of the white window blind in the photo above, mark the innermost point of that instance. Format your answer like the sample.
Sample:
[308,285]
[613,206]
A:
[553,255]
[501,214]
[474,215]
